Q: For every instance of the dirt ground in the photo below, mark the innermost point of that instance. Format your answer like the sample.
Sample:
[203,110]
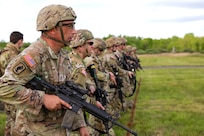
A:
[169,54]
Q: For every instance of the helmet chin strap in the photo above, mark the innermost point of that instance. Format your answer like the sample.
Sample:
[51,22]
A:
[66,43]
[87,53]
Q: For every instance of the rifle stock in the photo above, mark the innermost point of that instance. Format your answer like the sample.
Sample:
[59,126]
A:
[74,95]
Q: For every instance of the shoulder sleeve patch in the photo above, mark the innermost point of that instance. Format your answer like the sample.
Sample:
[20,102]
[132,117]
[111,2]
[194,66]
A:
[19,68]
[29,60]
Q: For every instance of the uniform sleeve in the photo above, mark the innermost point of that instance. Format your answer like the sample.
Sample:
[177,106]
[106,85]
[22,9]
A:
[102,76]
[12,85]
[5,58]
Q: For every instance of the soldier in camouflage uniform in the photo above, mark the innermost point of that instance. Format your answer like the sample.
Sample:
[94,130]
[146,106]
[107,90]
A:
[131,52]
[104,78]
[129,82]
[120,48]
[112,63]
[40,113]
[11,50]
[81,48]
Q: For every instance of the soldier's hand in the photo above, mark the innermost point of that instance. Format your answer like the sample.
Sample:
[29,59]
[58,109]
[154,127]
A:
[112,78]
[92,89]
[130,74]
[53,102]
[99,105]
[83,131]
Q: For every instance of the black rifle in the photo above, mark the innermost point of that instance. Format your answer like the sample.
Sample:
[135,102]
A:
[134,65]
[119,85]
[100,93]
[73,94]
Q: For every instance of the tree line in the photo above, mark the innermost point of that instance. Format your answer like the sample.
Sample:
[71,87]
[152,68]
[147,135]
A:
[189,43]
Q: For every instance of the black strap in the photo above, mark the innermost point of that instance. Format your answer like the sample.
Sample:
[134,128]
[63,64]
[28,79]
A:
[87,122]
[66,43]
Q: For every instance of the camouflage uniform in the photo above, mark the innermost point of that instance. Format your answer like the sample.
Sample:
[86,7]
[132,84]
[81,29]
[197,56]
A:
[37,59]
[32,118]
[112,60]
[129,52]
[103,80]
[129,83]
[79,75]
[11,50]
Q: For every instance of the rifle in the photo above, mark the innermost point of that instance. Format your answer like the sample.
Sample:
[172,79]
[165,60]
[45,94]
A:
[131,66]
[73,94]
[100,93]
[121,62]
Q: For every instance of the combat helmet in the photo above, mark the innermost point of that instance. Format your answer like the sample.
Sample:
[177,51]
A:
[81,37]
[134,48]
[49,16]
[128,48]
[122,41]
[100,44]
[111,41]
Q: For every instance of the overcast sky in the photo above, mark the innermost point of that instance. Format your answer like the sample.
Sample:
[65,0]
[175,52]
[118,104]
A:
[145,18]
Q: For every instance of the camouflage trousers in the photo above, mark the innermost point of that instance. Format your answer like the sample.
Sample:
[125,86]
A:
[98,125]
[10,118]
[25,127]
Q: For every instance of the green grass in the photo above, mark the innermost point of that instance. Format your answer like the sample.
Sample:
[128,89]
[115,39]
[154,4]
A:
[170,101]
[164,60]
[2,123]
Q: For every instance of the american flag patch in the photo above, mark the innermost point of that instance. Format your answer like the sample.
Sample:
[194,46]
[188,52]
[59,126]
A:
[29,60]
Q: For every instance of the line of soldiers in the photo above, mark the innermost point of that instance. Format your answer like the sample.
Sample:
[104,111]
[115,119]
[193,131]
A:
[109,65]
[106,68]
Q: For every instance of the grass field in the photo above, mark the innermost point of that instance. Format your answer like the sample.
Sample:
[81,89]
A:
[170,101]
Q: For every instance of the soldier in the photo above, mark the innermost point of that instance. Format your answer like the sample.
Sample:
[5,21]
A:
[112,62]
[120,48]
[81,46]
[11,50]
[41,112]
[103,74]
[132,58]
[129,53]
[129,82]
[102,79]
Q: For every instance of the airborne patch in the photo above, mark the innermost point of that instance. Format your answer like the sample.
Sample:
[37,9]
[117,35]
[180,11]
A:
[19,68]
[29,60]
